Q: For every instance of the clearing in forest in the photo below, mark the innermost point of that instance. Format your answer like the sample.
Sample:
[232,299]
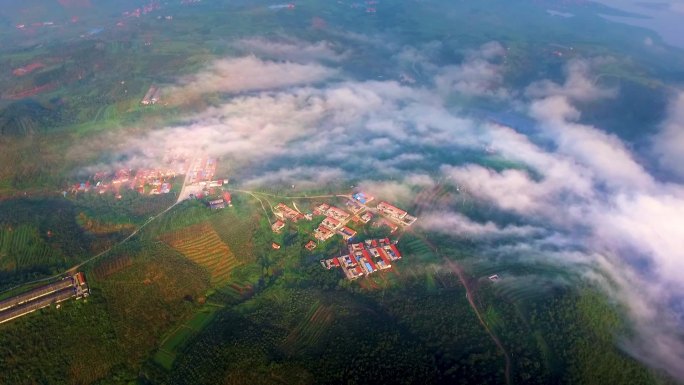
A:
[200,244]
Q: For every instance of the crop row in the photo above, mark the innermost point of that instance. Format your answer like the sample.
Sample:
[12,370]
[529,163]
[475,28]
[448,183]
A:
[21,247]
[202,245]
[310,329]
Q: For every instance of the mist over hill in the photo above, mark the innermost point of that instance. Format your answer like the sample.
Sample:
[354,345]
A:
[538,142]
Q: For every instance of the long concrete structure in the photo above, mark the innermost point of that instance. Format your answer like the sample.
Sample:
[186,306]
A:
[31,306]
[46,295]
[36,293]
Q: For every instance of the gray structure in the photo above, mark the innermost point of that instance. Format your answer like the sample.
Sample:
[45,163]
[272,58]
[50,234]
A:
[36,293]
[40,297]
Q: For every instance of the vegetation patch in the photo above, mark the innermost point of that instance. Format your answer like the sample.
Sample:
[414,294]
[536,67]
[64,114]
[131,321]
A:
[174,343]
[23,249]
[157,292]
[97,227]
[308,332]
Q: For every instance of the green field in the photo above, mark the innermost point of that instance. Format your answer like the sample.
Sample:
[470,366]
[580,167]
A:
[173,344]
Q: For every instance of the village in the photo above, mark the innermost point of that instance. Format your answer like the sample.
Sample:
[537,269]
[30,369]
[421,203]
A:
[199,172]
[363,258]
[152,96]
[345,219]
[146,181]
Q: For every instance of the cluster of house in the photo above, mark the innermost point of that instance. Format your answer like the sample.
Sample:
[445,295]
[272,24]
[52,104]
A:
[365,258]
[152,96]
[157,179]
[395,214]
[284,213]
[336,219]
[145,9]
[334,222]
[221,202]
[152,181]
[202,171]
[392,216]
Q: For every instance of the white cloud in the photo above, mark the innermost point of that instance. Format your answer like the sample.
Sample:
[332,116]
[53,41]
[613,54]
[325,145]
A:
[235,75]
[604,154]
[510,189]
[668,145]
[396,191]
[608,215]
[457,224]
[291,49]
[648,225]
[300,177]
[579,85]
[478,75]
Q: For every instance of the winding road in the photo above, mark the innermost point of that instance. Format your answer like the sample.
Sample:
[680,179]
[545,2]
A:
[456,268]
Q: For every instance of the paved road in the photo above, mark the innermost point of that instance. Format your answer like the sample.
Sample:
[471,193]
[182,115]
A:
[185,190]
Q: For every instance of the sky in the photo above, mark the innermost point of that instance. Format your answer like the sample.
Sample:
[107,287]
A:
[580,197]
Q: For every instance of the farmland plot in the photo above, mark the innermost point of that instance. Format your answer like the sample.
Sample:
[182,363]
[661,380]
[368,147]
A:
[202,245]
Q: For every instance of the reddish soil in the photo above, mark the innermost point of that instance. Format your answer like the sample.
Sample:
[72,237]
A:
[32,91]
[27,69]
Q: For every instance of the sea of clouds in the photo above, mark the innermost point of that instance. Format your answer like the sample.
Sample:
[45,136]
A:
[582,197]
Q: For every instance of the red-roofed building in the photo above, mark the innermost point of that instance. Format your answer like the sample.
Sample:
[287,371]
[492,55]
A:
[394,248]
[321,209]
[366,217]
[322,233]
[347,233]
[384,258]
[363,259]
[331,223]
[391,210]
[369,260]
[277,226]
[337,213]
[366,254]
[80,278]
[284,212]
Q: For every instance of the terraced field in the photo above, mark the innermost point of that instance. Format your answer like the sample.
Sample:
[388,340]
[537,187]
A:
[202,245]
[237,290]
